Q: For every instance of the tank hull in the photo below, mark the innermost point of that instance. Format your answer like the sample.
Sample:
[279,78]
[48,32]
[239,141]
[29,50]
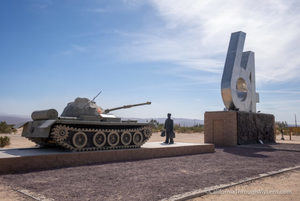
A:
[84,135]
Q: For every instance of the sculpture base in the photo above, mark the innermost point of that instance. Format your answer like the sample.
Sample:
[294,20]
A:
[230,128]
[32,159]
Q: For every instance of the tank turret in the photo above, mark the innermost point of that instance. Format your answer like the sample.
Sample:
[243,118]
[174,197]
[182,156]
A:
[84,108]
[81,107]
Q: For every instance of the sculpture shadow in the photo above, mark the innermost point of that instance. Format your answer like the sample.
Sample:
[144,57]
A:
[248,151]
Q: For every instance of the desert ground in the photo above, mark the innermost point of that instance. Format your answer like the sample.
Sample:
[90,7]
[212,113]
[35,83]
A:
[157,179]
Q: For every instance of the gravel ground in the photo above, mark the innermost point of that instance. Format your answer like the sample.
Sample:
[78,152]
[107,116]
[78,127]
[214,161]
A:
[153,179]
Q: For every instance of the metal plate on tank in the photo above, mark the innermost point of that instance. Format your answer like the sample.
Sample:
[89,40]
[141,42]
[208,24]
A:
[47,123]
[39,128]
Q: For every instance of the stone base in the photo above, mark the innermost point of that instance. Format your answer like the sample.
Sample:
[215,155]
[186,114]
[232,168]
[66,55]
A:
[26,160]
[229,128]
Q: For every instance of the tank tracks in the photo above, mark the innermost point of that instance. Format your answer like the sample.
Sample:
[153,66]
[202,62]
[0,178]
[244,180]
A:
[87,139]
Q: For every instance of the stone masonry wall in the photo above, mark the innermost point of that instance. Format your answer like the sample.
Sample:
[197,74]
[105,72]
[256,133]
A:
[252,127]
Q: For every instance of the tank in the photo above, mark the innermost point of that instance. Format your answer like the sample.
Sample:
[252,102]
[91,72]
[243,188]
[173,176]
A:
[84,126]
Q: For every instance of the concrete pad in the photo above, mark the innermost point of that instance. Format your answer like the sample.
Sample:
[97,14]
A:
[25,160]
[11,153]
[163,145]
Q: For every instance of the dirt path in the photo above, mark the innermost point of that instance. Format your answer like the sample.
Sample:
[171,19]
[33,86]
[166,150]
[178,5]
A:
[282,187]
[8,194]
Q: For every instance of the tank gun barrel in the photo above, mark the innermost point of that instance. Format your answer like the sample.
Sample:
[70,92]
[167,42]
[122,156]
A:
[125,107]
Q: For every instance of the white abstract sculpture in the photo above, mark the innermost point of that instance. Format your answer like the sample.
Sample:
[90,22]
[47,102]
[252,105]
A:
[238,80]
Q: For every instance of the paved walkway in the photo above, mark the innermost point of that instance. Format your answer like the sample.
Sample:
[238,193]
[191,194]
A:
[282,187]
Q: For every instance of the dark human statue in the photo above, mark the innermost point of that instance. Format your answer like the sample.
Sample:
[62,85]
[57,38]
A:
[169,130]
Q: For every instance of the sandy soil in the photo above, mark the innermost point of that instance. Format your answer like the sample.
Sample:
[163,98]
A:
[295,139]
[17,141]
[283,187]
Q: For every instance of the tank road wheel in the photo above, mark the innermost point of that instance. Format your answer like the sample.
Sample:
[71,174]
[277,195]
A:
[99,139]
[79,140]
[147,132]
[113,139]
[61,132]
[138,138]
[126,138]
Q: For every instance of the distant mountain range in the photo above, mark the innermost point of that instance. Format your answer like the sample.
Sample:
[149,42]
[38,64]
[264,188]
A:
[15,119]
[180,121]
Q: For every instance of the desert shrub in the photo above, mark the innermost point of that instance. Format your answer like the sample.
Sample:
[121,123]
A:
[281,127]
[192,129]
[294,130]
[6,128]
[157,127]
[4,141]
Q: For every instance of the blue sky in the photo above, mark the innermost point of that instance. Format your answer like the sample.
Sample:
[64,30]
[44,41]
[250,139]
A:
[169,52]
